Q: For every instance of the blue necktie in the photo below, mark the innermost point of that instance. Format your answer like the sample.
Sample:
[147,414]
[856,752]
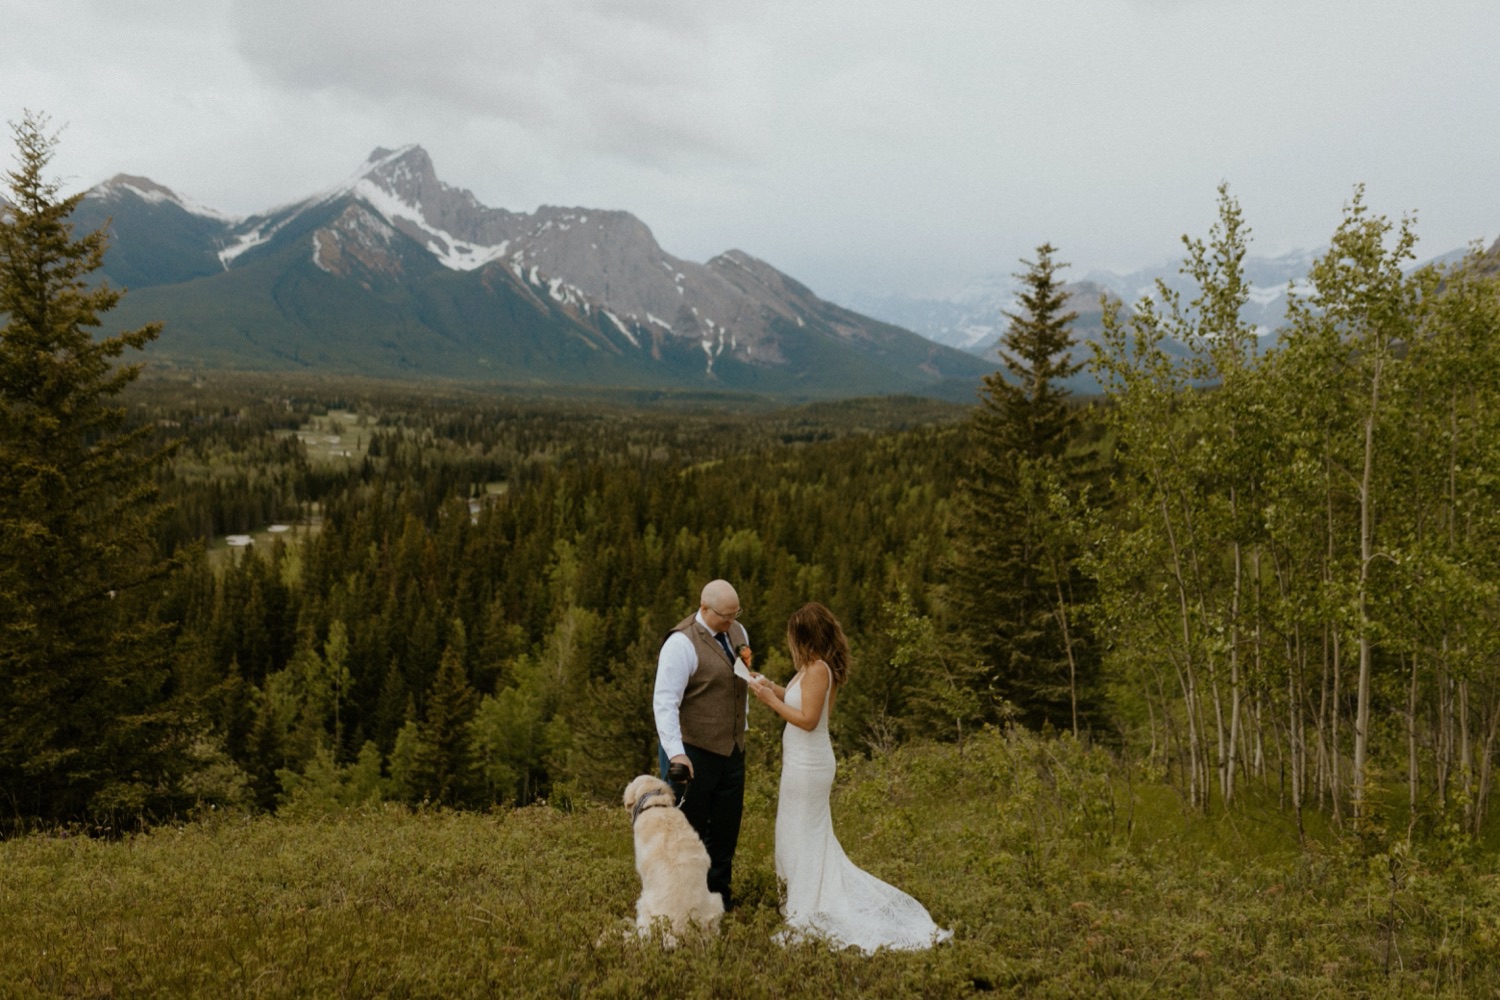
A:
[724,641]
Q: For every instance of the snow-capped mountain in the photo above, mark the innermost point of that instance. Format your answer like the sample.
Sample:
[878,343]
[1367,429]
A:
[121,187]
[395,271]
[172,238]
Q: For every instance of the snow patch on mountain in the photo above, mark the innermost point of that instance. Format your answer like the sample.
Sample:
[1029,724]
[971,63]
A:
[155,194]
[377,162]
[622,328]
[452,253]
[373,184]
[360,235]
[250,240]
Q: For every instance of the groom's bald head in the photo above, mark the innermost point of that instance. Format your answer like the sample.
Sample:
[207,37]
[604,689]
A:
[720,597]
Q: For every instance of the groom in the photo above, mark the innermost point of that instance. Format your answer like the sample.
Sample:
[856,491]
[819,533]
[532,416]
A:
[701,716]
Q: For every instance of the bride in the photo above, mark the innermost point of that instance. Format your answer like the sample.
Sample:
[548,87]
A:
[826,894]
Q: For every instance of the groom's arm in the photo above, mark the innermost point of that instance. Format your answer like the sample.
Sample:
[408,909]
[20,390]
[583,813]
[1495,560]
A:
[674,668]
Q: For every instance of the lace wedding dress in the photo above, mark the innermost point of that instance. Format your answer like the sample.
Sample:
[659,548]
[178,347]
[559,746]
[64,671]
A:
[826,895]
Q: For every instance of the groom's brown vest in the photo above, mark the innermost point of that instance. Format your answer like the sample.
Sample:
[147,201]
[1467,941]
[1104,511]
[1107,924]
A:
[713,704]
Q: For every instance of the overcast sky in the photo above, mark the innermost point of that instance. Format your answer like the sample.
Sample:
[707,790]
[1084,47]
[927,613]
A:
[859,145]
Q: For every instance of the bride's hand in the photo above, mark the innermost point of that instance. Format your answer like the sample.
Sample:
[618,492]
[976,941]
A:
[763,690]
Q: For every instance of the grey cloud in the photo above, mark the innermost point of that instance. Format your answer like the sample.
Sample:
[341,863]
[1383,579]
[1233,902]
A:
[897,139]
[585,75]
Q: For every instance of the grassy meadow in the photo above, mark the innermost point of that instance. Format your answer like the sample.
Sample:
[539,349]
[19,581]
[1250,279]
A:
[1061,872]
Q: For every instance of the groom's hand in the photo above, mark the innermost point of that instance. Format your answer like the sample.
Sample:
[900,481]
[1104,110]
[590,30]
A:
[683,759]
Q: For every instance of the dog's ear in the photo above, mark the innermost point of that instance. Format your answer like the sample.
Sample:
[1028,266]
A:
[632,792]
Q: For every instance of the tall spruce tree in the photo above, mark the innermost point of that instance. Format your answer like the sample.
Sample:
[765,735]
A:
[1032,416]
[87,732]
[1016,575]
[443,767]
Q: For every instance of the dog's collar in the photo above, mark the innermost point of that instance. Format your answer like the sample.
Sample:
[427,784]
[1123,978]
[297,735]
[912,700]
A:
[644,802]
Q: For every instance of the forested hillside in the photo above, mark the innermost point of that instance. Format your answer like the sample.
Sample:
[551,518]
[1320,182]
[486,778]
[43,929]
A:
[481,605]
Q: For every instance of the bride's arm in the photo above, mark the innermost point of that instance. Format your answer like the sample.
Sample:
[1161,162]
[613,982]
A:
[814,686]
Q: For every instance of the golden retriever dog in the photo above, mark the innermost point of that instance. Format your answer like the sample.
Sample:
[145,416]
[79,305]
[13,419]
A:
[672,862]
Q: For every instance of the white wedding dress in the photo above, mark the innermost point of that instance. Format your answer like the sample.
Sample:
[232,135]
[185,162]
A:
[826,895]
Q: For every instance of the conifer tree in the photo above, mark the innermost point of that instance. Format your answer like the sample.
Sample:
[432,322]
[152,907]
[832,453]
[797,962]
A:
[86,731]
[1015,589]
[1032,416]
[442,765]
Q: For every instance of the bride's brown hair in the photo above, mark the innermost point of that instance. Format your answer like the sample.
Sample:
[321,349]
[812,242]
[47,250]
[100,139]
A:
[814,634]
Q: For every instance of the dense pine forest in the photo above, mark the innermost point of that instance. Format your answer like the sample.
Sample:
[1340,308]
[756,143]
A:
[474,618]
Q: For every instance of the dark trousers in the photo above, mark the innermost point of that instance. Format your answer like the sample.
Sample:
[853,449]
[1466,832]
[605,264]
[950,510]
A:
[713,803]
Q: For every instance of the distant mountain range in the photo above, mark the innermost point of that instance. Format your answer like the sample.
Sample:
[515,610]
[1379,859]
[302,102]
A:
[974,319]
[394,273]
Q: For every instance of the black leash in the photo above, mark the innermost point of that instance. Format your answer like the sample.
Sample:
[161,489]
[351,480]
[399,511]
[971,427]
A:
[680,775]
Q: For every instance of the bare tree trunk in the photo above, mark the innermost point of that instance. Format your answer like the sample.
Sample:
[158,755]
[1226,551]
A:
[1465,751]
[1486,758]
[1443,752]
[1198,795]
[1366,557]
[1062,619]
[1234,671]
[1327,731]
[1295,744]
[1336,790]
[1331,656]
[1221,748]
[1168,730]
[1257,749]
[1258,760]
[1151,721]
[1412,772]
[1293,723]
[1296,656]
[1188,683]
[1453,730]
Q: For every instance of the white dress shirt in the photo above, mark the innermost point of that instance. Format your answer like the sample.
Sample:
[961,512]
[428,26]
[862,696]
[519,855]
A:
[675,666]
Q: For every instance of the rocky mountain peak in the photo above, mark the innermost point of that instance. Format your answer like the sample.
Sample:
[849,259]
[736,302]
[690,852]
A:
[144,188]
[406,172]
